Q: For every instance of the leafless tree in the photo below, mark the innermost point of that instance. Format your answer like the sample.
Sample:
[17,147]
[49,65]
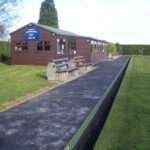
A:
[7,15]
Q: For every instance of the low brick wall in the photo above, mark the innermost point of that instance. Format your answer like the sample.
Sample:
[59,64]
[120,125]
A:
[97,57]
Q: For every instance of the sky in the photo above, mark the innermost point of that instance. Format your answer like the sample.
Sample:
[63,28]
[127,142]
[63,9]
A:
[123,21]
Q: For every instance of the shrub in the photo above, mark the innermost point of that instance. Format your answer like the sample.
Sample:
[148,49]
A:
[119,48]
[5,50]
[111,48]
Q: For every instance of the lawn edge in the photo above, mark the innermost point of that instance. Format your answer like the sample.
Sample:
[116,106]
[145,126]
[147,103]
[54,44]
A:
[28,96]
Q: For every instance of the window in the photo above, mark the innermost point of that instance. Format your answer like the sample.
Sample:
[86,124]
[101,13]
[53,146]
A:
[21,46]
[46,45]
[72,46]
[43,46]
[95,46]
[24,46]
[40,46]
[61,44]
[92,42]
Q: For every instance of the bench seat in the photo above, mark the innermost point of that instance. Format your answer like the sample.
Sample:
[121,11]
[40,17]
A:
[78,61]
[84,65]
[61,69]
[61,65]
[61,59]
[87,64]
[67,69]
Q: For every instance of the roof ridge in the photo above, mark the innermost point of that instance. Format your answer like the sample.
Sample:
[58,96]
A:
[57,30]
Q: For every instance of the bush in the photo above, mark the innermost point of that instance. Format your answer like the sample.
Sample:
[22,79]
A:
[119,48]
[5,50]
[111,48]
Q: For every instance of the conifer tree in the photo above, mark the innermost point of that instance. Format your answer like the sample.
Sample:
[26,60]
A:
[48,14]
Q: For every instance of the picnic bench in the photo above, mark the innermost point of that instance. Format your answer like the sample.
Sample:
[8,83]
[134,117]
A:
[61,69]
[79,61]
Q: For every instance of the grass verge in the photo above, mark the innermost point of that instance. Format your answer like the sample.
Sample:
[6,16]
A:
[128,124]
[18,80]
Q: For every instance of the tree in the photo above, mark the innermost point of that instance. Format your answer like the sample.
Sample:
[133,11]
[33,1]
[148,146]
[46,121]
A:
[119,48]
[7,15]
[48,14]
[111,48]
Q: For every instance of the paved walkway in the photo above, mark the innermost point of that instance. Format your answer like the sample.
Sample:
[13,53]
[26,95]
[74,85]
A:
[49,120]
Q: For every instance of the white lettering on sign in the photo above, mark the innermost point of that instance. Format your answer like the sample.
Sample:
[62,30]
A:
[31,33]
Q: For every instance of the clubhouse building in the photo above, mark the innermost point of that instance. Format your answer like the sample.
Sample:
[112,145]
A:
[36,44]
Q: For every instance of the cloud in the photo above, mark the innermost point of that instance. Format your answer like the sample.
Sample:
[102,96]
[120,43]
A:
[116,20]
[29,12]
[124,21]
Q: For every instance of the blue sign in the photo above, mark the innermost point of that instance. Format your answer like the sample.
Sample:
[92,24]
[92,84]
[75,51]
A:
[31,34]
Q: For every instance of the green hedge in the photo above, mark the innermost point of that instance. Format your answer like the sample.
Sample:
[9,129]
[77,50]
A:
[134,49]
[5,50]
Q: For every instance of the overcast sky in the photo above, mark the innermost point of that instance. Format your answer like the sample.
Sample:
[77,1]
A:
[123,21]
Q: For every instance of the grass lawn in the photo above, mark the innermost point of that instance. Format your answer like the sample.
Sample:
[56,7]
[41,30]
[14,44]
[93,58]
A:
[128,124]
[16,81]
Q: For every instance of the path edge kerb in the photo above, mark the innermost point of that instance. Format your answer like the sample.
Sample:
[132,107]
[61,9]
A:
[78,140]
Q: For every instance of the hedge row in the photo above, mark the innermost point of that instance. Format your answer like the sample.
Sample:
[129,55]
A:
[5,50]
[134,49]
